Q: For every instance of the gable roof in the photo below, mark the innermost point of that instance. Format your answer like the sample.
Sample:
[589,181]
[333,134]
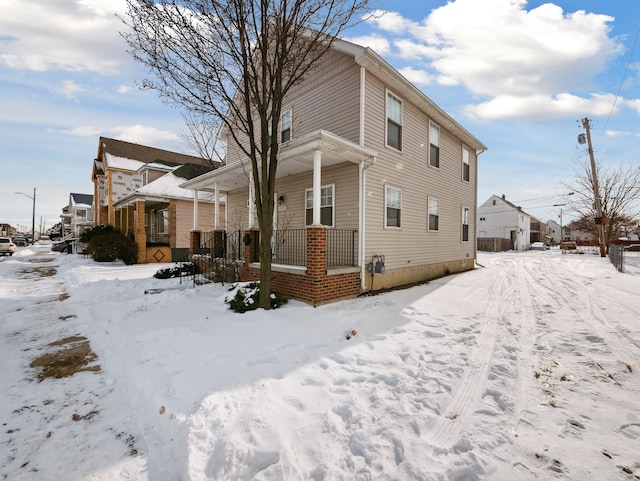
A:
[85,199]
[145,154]
[374,63]
[504,200]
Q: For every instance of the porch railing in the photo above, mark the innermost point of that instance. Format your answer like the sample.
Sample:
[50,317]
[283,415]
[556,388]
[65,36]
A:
[290,247]
[222,244]
[342,247]
[154,238]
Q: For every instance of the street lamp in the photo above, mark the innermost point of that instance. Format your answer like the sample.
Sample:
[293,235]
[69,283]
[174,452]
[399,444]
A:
[33,215]
[561,233]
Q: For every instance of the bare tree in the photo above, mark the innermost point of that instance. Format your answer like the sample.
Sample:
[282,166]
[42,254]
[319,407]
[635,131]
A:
[236,60]
[619,196]
[201,137]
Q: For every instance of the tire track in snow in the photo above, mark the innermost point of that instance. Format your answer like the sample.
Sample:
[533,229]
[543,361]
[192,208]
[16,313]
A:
[446,429]
[575,293]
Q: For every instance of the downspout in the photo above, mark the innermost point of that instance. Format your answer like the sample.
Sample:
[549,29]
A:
[362,182]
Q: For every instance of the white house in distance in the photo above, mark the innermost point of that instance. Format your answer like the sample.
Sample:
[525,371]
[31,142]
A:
[553,232]
[499,218]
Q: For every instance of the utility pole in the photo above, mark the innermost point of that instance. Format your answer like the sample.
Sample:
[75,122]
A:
[600,220]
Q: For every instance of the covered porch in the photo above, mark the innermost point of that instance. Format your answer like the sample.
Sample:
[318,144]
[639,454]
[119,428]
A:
[313,262]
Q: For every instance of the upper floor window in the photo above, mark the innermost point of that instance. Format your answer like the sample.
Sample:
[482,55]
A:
[285,127]
[465,163]
[82,213]
[434,213]
[394,121]
[326,206]
[434,145]
[465,224]
[393,203]
[145,178]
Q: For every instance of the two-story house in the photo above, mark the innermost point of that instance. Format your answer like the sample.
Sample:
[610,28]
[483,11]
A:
[136,189]
[376,184]
[501,219]
[77,216]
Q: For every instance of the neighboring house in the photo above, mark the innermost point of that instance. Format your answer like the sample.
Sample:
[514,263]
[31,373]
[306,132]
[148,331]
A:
[537,231]
[499,218]
[136,189]
[572,232]
[164,211]
[376,184]
[77,215]
[554,235]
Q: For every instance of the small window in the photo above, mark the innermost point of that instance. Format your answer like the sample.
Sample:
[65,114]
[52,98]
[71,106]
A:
[162,224]
[394,121]
[326,206]
[465,163]
[393,202]
[434,145]
[285,127]
[434,214]
[465,224]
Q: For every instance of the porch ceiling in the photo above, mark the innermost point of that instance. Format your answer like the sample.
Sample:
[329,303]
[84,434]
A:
[295,157]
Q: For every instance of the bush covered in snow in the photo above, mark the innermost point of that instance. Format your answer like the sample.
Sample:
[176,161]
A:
[245,297]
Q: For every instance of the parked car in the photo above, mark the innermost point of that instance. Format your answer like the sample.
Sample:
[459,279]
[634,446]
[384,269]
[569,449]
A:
[7,247]
[59,246]
[20,241]
[538,246]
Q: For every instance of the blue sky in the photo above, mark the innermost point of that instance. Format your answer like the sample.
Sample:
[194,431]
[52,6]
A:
[518,75]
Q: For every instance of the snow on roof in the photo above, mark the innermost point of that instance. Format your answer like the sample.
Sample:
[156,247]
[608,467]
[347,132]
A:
[169,186]
[122,162]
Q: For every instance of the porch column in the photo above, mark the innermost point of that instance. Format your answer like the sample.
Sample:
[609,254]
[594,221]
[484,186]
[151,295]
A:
[216,209]
[195,209]
[140,233]
[317,185]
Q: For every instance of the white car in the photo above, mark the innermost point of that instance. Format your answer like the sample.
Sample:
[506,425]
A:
[538,246]
[7,247]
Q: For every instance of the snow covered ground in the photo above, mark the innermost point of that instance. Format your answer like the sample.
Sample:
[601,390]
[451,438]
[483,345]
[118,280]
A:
[525,368]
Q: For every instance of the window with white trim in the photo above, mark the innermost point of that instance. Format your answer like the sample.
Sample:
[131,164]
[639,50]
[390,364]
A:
[393,204]
[434,145]
[465,163]
[394,121]
[326,205]
[285,127]
[465,224]
[434,213]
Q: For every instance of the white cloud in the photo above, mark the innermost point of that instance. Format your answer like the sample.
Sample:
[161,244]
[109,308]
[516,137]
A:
[69,89]
[84,131]
[417,77]
[123,89]
[376,42]
[143,134]
[541,106]
[44,35]
[617,133]
[500,50]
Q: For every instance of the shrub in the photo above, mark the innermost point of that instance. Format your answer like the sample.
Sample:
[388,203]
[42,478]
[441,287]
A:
[246,298]
[105,243]
[178,271]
